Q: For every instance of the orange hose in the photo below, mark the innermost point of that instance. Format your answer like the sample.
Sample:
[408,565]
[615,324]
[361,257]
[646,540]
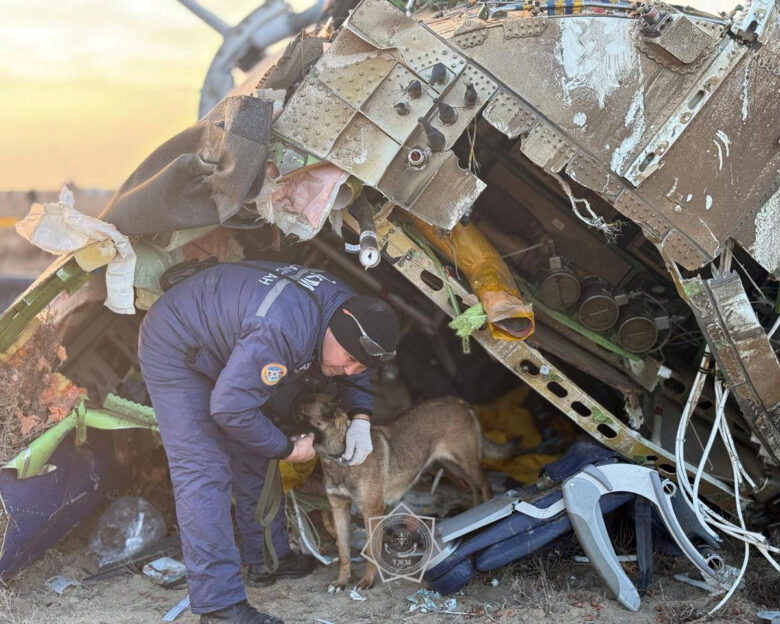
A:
[509,317]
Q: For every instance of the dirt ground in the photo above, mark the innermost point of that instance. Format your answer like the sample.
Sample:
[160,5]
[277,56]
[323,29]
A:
[547,588]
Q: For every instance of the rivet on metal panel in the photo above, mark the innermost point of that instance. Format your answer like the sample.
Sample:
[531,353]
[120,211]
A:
[524,27]
[471,39]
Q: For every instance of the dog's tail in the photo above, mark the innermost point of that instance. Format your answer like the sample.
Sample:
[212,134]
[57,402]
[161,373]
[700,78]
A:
[500,451]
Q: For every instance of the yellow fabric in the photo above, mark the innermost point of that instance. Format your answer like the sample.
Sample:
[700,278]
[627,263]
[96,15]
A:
[487,273]
[294,474]
[506,419]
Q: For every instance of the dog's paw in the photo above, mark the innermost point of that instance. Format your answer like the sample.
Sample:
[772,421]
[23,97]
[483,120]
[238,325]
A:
[336,586]
[365,583]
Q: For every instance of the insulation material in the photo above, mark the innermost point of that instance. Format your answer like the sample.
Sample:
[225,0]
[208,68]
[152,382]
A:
[202,176]
[59,228]
[509,317]
[299,203]
[505,421]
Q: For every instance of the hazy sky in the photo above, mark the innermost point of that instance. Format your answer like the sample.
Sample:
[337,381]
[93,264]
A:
[89,87]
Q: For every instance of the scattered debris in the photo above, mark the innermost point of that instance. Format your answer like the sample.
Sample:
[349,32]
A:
[429,601]
[620,559]
[165,571]
[772,616]
[715,590]
[167,546]
[125,528]
[59,584]
[184,603]
[356,596]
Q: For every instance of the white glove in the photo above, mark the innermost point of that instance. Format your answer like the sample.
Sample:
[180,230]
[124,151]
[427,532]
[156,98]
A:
[358,442]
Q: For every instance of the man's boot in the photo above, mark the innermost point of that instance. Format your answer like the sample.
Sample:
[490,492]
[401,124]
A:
[294,565]
[240,613]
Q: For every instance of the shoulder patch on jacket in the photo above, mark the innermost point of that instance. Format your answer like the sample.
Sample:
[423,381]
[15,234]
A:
[272,373]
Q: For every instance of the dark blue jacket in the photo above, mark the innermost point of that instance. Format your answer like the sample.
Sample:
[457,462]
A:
[246,328]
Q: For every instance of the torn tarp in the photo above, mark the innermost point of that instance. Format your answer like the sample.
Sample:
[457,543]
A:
[59,228]
[38,512]
[201,176]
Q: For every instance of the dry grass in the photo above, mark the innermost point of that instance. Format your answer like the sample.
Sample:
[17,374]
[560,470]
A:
[15,611]
[539,582]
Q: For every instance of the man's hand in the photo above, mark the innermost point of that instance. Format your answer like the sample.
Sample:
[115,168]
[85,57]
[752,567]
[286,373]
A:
[358,442]
[303,450]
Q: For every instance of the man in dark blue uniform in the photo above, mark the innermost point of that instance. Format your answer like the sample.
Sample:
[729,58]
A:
[214,350]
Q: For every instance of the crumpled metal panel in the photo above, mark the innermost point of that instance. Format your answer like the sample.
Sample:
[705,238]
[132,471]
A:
[448,196]
[344,111]
[759,234]
[363,150]
[509,114]
[590,173]
[379,23]
[742,350]
[484,86]
[588,78]
[684,39]
[547,148]
[314,117]
[691,136]
[635,209]
[355,77]
[380,106]
[717,180]
[650,158]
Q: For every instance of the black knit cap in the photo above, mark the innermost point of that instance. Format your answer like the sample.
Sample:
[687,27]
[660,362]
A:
[378,320]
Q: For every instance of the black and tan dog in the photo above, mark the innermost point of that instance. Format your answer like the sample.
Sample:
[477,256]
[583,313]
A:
[441,430]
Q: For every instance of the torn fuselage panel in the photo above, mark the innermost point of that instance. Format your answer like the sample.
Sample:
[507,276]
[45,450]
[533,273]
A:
[345,112]
[742,350]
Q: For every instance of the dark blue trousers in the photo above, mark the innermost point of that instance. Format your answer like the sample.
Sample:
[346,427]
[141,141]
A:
[204,464]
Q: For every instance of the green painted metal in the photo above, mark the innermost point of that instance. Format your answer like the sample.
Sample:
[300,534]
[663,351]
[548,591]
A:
[571,323]
[63,275]
[117,413]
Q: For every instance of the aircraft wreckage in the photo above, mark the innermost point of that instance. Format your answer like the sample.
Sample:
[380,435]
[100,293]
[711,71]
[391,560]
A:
[603,178]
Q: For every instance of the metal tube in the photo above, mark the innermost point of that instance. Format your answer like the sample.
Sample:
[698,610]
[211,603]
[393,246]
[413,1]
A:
[223,28]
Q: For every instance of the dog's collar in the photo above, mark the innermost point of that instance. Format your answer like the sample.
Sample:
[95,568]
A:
[334,458]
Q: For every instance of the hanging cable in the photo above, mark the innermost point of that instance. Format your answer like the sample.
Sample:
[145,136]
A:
[610,230]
